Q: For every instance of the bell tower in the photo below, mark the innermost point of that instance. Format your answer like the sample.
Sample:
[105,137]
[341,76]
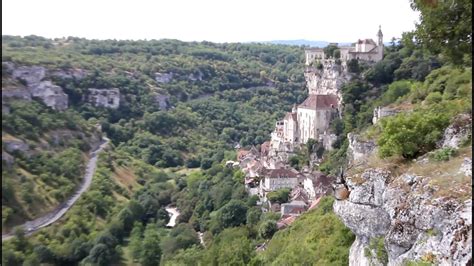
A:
[380,43]
[380,36]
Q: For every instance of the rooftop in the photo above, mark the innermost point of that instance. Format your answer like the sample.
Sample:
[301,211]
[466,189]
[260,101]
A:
[318,102]
[279,173]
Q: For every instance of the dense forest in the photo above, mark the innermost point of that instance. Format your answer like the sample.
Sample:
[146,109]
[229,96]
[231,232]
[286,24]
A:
[218,97]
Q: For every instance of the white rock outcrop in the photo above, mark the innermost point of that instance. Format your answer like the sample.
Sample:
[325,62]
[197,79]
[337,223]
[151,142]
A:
[459,131]
[415,224]
[359,150]
[108,98]
[33,78]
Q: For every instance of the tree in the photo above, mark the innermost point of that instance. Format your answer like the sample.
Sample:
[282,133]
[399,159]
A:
[411,135]
[279,196]
[233,214]
[445,26]
[353,66]
[136,240]
[267,229]
[329,50]
[150,248]
[100,254]
[253,216]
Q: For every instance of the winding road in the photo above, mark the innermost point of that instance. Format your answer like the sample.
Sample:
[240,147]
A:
[56,214]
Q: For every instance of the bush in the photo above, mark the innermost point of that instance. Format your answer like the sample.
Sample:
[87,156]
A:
[443,154]
[279,196]
[434,97]
[267,229]
[411,135]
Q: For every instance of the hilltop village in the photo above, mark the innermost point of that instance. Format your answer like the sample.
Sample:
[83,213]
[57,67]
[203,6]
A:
[267,169]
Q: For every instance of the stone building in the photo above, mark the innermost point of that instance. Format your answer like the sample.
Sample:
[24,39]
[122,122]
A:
[380,112]
[363,49]
[315,114]
[275,179]
[317,185]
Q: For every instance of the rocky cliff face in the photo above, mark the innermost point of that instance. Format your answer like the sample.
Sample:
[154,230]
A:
[35,85]
[108,98]
[359,150]
[327,79]
[459,131]
[413,223]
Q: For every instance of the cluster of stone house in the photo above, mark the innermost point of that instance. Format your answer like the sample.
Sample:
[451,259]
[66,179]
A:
[305,187]
[312,118]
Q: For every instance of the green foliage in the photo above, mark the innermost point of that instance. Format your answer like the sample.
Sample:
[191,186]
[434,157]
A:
[330,51]
[443,154]
[150,248]
[318,237]
[353,66]
[377,244]
[279,196]
[396,90]
[231,247]
[445,27]
[233,214]
[411,135]
[267,229]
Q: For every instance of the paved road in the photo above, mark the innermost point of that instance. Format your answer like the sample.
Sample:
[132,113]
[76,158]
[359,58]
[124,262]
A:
[53,216]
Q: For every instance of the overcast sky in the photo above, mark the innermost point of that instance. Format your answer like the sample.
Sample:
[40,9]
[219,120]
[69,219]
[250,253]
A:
[210,20]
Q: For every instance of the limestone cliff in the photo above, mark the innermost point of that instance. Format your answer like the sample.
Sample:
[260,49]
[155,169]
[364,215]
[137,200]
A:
[420,213]
[34,84]
[327,78]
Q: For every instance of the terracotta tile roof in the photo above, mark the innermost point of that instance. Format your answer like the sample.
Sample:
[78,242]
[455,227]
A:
[285,222]
[314,203]
[265,147]
[318,102]
[278,173]
[320,179]
[241,153]
[366,41]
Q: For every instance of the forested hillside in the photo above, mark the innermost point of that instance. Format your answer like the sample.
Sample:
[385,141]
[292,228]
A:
[175,113]
[181,105]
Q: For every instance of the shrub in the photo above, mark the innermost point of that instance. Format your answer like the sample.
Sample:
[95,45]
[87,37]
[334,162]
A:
[434,97]
[443,154]
[411,135]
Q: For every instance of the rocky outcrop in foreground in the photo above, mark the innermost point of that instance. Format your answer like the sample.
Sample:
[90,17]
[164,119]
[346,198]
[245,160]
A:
[407,220]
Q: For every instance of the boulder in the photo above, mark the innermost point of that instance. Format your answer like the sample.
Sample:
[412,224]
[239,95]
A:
[458,131]
[162,101]
[52,95]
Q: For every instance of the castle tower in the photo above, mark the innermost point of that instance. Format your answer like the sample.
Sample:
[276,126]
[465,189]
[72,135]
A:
[380,42]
